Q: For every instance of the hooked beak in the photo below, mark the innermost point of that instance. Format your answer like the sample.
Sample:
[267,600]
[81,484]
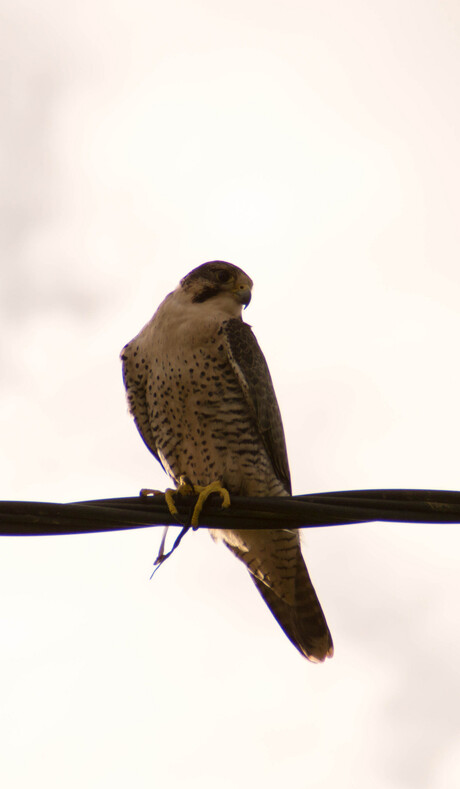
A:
[243,294]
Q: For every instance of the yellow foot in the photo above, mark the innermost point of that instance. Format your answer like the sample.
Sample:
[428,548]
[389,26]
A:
[150,492]
[204,493]
[186,488]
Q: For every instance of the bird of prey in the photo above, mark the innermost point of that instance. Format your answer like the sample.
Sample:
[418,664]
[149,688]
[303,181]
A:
[201,395]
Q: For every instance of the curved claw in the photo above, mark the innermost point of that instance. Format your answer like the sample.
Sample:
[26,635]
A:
[187,488]
[204,493]
[169,493]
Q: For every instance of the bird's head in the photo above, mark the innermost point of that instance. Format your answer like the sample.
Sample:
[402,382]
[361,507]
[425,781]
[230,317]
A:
[216,279]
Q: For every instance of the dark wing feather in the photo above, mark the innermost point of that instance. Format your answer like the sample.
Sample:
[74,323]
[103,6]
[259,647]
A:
[251,369]
[134,379]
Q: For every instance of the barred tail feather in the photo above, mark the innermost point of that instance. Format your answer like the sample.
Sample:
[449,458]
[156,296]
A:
[276,566]
[304,623]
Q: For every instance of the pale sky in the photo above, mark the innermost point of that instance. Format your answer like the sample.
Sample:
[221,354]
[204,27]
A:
[315,145]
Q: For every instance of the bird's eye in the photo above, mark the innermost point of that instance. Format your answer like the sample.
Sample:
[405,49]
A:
[223,276]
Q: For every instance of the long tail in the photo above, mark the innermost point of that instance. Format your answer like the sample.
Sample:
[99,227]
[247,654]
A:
[275,562]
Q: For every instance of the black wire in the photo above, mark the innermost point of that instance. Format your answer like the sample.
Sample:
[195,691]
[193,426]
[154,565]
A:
[28,518]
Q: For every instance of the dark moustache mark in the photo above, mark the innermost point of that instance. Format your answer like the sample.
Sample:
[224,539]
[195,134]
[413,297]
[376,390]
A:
[207,293]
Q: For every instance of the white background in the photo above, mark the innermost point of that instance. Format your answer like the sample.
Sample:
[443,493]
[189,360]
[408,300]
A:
[315,145]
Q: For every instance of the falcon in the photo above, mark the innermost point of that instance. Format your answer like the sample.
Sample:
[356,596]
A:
[202,398]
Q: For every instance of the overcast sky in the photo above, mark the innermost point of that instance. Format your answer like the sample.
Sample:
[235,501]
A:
[315,145]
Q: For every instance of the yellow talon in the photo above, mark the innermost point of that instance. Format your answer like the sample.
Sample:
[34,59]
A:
[150,492]
[204,492]
[185,488]
[169,493]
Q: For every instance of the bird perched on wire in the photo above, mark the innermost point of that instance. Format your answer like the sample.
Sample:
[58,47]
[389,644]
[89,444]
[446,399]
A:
[201,395]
